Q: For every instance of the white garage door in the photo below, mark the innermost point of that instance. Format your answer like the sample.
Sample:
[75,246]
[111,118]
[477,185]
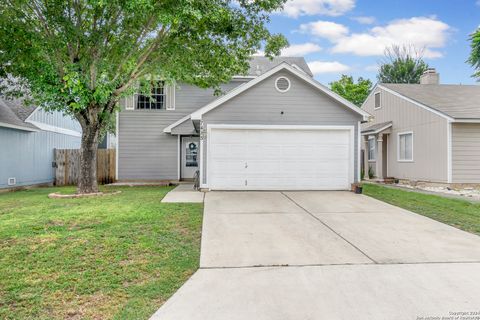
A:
[285,158]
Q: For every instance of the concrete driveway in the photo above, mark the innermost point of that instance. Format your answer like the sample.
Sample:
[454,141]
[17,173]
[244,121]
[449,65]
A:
[325,255]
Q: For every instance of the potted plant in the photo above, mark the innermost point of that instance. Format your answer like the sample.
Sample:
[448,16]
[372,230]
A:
[357,188]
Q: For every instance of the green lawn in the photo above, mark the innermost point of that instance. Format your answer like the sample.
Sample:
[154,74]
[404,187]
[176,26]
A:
[113,257]
[461,214]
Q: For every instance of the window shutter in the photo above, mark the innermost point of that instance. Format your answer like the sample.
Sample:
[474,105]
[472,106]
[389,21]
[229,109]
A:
[170,90]
[130,102]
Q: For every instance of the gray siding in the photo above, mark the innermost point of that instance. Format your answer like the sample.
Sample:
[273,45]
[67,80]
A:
[144,151]
[301,105]
[429,138]
[28,156]
[466,153]
[55,118]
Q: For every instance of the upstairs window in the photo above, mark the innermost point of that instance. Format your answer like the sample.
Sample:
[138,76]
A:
[377,100]
[156,100]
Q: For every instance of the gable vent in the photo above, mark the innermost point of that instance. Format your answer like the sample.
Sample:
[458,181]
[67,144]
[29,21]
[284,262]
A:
[282,84]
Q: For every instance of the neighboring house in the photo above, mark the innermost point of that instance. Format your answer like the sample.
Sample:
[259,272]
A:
[424,132]
[275,128]
[109,141]
[28,136]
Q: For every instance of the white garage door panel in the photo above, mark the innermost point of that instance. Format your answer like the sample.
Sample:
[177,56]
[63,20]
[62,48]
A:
[279,159]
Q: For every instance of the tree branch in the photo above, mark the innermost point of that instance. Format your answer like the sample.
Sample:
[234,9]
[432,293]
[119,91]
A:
[50,35]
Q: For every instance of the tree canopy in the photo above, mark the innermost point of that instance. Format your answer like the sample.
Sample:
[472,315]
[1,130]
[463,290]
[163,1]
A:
[402,64]
[82,56]
[474,58]
[353,92]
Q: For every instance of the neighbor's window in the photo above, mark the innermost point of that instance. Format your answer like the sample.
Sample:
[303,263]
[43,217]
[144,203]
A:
[156,100]
[377,100]
[405,146]
[371,148]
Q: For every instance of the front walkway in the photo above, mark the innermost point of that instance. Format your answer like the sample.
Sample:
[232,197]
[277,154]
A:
[184,193]
[325,255]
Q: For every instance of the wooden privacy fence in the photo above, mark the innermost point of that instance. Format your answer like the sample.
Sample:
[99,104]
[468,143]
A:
[66,163]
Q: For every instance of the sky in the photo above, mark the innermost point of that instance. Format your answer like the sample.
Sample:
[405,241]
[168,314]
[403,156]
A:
[349,36]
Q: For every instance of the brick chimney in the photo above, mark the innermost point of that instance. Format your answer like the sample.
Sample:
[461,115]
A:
[430,76]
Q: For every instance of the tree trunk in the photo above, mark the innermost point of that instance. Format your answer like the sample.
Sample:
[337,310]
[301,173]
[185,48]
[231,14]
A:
[87,179]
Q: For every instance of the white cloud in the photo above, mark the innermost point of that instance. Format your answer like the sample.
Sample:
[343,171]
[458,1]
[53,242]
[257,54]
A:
[325,29]
[365,20]
[318,67]
[422,32]
[301,49]
[334,8]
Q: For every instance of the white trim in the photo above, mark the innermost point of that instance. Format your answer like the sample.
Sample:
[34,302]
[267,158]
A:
[466,121]
[449,151]
[441,114]
[277,127]
[378,130]
[351,167]
[276,84]
[13,126]
[197,115]
[176,123]
[31,114]
[117,145]
[375,100]
[298,68]
[359,152]
[398,146]
[179,158]
[202,146]
[47,127]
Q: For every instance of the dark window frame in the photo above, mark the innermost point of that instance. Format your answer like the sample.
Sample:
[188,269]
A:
[157,100]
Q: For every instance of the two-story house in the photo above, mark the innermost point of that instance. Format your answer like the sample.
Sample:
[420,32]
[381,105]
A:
[423,132]
[274,128]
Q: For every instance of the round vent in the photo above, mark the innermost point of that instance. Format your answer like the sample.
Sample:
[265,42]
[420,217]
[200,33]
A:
[282,84]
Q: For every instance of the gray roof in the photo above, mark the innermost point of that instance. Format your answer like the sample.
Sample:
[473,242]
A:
[377,126]
[14,113]
[456,101]
[260,65]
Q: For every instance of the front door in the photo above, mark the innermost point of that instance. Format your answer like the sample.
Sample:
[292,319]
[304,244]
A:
[189,154]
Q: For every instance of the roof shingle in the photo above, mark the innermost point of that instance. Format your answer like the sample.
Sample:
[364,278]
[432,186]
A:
[14,113]
[456,101]
[260,65]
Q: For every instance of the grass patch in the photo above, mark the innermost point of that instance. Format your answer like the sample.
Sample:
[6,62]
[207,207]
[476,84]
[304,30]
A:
[116,257]
[461,214]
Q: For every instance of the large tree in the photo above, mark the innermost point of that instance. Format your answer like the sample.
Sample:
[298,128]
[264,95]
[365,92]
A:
[353,92]
[82,56]
[402,64]
[474,58]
